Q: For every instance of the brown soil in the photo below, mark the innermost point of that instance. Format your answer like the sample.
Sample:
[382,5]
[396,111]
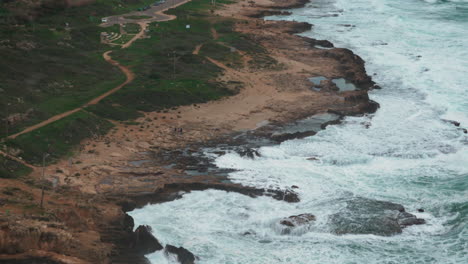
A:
[98,184]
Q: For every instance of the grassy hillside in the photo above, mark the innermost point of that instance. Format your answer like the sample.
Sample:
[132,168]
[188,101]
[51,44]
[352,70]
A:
[58,68]
[48,67]
[59,138]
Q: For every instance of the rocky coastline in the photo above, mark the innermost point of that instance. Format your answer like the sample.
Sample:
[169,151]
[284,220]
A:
[355,103]
[107,217]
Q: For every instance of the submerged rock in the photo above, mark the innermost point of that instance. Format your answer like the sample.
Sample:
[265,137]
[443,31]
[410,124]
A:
[298,220]
[286,195]
[144,242]
[183,255]
[248,152]
[368,216]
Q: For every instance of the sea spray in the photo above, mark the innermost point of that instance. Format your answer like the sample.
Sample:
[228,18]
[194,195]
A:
[406,153]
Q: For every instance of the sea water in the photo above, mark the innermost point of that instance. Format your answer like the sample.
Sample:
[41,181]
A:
[405,153]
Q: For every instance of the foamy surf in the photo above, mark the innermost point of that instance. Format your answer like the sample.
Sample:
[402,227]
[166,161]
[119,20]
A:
[408,154]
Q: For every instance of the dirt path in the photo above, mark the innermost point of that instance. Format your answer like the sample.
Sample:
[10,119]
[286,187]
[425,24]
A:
[143,26]
[129,74]
[214,33]
[156,14]
[18,160]
[197,49]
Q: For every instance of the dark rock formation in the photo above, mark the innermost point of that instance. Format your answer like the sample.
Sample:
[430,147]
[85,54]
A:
[183,255]
[264,13]
[289,136]
[406,219]
[171,192]
[357,103]
[368,216]
[297,220]
[298,27]
[144,242]
[353,67]
[317,42]
[287,196]
[248,152]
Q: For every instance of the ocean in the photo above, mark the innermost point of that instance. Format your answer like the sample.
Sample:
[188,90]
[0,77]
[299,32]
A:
[405,153]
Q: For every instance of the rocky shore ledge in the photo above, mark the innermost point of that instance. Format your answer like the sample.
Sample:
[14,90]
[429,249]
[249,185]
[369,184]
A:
[131,168]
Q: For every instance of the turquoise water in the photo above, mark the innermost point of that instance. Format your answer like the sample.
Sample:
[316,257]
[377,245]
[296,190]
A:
[418,52]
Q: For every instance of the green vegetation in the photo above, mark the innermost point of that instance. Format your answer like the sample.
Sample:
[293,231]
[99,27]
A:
[123,39]
[55,64]
[10,168]
[132,28]
[52,60]
[59,138]
[196,8]
[160,83]
[230,57]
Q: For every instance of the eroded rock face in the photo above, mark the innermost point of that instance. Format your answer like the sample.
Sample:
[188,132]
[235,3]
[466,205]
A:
[183,255]
[144,242]
[368,216]
[298,220]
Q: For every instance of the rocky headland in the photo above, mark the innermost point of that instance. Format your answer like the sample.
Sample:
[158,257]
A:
[158,160]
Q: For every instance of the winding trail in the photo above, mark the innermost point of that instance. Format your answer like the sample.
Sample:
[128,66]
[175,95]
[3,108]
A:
[130,76]
[143,26]
[156,17]
[18,160]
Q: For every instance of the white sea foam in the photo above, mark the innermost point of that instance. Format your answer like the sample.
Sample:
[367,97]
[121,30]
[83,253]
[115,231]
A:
[408,155]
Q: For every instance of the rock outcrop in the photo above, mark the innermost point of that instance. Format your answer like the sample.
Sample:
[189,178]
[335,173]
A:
[298,220]
[183,255]
[368,216]
[144,242]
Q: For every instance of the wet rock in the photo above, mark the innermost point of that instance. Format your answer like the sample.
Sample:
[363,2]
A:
[421,210]
[164,194]
[368,216]
[356,97]
[453,122]
[288,136]
[248,152]
[370,107]
[248,233]
[144,242]
[298,27]
[183,255]
[287,196]
[264,13]
[295,187]
[353,68]
[298,220]
[406,219]
[316,42]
